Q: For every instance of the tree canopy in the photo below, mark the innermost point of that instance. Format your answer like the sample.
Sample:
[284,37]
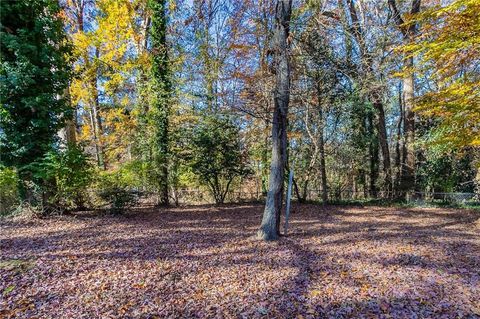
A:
[448,53]
[165,99]
[34,72]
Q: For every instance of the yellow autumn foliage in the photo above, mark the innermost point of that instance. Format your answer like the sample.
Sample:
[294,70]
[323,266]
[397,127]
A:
[448,53]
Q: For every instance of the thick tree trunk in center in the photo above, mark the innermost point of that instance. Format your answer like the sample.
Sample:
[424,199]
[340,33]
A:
[270,227]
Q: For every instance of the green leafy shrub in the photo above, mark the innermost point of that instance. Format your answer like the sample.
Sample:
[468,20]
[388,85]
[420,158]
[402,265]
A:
[9,195]
[216,155]
[119,198]
[116,188]
[64,175]
[441,172]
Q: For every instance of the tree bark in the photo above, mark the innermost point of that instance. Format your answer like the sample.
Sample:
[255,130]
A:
[68,133]
[383,140]
[398,152]
[408,166]
[270,226]
[373,153]
[409,30]
[97,120]
[375,98]
[323,171]
[94,112]
[321,147]
[162,82]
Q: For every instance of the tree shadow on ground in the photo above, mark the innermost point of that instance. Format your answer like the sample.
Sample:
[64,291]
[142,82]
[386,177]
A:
[317,257]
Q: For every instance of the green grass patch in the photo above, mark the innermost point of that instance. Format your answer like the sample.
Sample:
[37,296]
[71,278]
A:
[19,265]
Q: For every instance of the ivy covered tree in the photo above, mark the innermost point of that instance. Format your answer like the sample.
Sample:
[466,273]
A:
[162,92]
[216,156]
[33,76]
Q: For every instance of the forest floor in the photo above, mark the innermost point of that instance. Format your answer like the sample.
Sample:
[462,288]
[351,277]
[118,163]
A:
[204,261]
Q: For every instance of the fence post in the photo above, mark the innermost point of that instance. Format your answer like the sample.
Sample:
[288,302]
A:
[289,195]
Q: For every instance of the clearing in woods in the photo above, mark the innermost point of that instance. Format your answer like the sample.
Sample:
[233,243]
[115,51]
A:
[337,262]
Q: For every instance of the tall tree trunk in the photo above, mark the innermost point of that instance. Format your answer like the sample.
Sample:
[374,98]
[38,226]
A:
[409,31]
[71,129]
[408,165]
[94,134]
[373,154]
[300,197]
[162,83]
[313,158]
[98,133]
[270,227]
[383,140]
[323,170]
[362,180]
[94,112]
[97,121]
[398,152]
[321,148]
[68,133]
[71,122]
[375,98]
[264,168]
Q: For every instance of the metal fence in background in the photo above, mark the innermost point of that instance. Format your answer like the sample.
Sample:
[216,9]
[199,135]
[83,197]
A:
[200,196]
[409,197]
[447,198]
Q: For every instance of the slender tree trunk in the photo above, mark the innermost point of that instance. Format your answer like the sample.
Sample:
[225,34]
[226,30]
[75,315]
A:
[97,123]
[373,152]
[68,132]
[71,122]
[98,132]
[321,148]
[383,140]
[270,227]
[305,190]
[264,169]
[398,152]
[373,171]
[297,191]
[408,166]
[323,171]
[95,119]
[313,159]
[93,135]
